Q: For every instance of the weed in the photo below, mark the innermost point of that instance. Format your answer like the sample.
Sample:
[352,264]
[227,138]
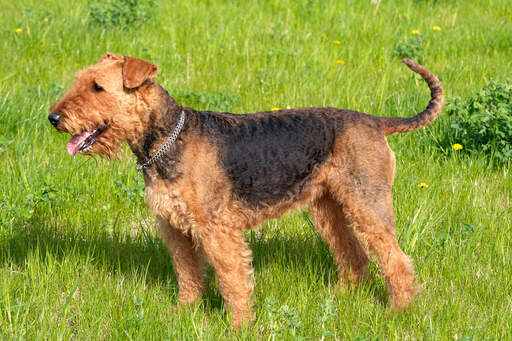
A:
[281,318]
[482,123]
[121,13]
[132,194]
[35,13]
[411,48]
[328,309]
[46,194]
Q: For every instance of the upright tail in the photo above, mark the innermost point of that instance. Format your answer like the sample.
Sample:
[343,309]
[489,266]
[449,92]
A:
[393,125]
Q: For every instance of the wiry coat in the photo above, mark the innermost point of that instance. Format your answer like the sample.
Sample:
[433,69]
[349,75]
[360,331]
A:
[227,172]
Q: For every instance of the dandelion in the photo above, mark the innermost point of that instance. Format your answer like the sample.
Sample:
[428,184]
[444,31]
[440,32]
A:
[422,185]
[415,32]
[18,30]
[436,28]
[457,146]
[340,61]
[337,42]
[274,109]
[45,19]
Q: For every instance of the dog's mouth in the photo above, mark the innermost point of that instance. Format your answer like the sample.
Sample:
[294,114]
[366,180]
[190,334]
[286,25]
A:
[83,142]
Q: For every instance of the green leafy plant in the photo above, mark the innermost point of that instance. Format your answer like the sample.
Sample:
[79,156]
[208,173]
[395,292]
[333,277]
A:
[482,123]
[132,192]
[121,13]
[282,318]
[413,48]
[328,313]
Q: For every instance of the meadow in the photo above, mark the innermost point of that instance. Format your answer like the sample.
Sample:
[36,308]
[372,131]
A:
[79,254]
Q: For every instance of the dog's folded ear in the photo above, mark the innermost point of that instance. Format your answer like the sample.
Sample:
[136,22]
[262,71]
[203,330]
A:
[109,57]
[137,71]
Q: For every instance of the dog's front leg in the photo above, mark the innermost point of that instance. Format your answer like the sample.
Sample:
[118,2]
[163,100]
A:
[231,258]
[187,261]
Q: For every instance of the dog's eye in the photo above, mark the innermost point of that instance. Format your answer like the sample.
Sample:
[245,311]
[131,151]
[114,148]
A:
[97,88]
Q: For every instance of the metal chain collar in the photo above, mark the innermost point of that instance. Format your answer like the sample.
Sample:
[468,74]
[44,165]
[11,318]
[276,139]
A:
[141,166]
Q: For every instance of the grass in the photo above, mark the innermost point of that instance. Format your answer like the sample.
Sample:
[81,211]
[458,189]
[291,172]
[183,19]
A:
[79,256]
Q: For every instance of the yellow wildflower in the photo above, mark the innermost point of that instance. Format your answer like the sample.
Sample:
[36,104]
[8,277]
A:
[337,42]
[415,32]
[45,19]
[457,146]
[422,185]
[340,61]
[274,109]
[436,28]
[18,30]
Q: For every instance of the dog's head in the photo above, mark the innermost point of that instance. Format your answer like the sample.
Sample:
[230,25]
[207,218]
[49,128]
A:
[107,105]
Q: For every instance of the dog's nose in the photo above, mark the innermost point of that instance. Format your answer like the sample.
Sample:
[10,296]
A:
[54,118]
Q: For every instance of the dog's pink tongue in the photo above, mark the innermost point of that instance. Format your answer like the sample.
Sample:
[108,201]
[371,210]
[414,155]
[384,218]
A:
[75,142]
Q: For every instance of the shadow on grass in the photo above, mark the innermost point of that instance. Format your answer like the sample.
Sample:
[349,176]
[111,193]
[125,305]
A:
[145,254]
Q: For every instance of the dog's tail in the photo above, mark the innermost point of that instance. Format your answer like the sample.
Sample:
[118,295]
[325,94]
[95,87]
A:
[393,125]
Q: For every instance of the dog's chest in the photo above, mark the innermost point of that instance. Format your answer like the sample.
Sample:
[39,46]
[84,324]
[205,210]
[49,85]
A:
[167,202]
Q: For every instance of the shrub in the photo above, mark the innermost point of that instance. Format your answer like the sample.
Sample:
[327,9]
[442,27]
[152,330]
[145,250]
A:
[121,13]
[482,123]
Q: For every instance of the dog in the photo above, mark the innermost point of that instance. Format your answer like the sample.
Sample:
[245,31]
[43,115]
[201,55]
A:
[211,175]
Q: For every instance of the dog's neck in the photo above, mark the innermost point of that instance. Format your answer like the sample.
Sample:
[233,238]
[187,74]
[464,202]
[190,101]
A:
[162,118]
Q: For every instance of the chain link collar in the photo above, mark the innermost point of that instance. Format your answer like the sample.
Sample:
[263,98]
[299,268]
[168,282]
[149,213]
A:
[141,166]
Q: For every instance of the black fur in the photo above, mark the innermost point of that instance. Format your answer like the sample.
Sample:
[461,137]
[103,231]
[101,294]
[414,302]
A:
[271,155]
[158,134]
[268,156]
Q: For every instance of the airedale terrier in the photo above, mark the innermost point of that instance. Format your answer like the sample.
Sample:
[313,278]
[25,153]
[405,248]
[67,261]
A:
[210,175]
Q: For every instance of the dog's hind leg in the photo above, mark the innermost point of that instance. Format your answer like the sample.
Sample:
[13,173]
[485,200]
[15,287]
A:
[332,225]
[187,261]
[372,217]
[361,182]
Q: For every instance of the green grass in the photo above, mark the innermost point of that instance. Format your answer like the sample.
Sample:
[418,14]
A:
[79,256]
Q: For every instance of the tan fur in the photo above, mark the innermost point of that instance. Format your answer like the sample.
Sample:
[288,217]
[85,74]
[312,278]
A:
[349,195]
